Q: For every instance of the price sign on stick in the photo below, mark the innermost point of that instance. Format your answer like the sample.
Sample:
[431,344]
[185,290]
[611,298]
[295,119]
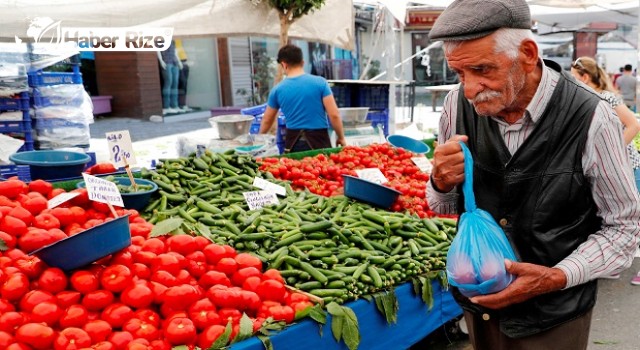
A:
[259,199]
[372,174]
[423,164]
[103,191]
[269,186]
[120,148]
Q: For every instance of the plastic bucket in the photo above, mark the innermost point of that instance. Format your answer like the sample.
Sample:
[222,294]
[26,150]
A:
[53,164]
[369,192]
[408,143]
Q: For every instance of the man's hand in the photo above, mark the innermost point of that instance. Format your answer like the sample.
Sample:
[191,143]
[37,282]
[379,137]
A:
[448,164]
[530,280]
[341,142]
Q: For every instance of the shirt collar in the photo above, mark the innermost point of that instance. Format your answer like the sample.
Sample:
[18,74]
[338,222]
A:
[540,99]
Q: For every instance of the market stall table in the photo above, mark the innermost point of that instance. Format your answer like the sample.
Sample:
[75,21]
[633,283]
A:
[437,90]
[415,321]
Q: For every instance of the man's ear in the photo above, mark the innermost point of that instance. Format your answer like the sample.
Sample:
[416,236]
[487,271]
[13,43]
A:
[529,55]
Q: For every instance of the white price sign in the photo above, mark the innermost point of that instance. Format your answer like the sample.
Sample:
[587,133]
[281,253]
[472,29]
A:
[372,174]
[120,148]
[269,186]
[103,191]
[423,164]
[61,198]
[259,199]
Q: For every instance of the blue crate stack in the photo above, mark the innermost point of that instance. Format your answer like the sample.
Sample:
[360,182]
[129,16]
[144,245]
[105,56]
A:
[374,96]
[257,112]
[18,103]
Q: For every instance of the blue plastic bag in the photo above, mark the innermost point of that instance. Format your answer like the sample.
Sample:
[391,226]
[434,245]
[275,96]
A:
[475,261]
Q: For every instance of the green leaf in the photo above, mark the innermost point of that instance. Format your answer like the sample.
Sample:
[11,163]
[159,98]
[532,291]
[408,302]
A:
[337,323]
[165,227]
[222,341]
[417,287]
[3,246]
[318,315]
[390,303]
[605,342]
[266,342]
[180,347]
[334,309]
[302,313]
[367,297]
[246,329]
[427,292]
[350,329]
[203,230]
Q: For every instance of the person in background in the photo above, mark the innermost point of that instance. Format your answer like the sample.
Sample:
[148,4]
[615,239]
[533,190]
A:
[626,84]
[617,75]
[306,101]
[549,166]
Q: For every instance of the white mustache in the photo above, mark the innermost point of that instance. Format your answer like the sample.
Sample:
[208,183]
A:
[485,96]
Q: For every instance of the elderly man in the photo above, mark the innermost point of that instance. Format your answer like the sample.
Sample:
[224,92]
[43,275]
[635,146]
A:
[550,167]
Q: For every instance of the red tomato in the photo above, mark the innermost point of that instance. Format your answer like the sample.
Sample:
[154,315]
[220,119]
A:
[72,338]
[22,214]
[248,260]
[181,297]
[227,266]
[35,297]
[273,274]
[31,266]
[183,244]
[13,226]
[40,186]
[137,296]
[120,339]
[84,281]
[251,283]
[271,290]
[98,330]
[103,345]
[201,243]
[242,274]
[35,205]
[12,320]
[6,339]
[117,314]
[36,335]
[6,306]
[210,335]
[97,300]
[214,252]
[154,245]
[64,215]
[180,331]
[35,238]
[74,316]
[9,240]
[116,278]
[211,278]
[148,316]
[46,312]
[141,329]
[141,271]
[203,313]
[166,262]
[164,278]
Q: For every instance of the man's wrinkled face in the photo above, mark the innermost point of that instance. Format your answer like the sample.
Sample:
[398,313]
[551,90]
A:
[492,81]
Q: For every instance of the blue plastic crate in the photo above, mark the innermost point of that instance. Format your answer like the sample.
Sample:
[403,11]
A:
[41,101]
[18,126]
[281,133]
[17,103]
[254,129]
[255,110]
[379,119]
[373,96]
[40,78]
[23,172]
[342,95]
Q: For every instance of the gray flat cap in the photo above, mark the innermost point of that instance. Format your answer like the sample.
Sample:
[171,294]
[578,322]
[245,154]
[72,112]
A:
[473,19]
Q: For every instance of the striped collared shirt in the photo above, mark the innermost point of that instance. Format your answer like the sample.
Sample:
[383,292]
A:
[606,166]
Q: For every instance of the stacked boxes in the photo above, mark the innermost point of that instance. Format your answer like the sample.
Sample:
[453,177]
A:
[15,118]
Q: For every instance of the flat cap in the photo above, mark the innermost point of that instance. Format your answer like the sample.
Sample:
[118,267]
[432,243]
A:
[473,19]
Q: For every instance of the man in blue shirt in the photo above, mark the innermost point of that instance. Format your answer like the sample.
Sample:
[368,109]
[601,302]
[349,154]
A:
[306,101]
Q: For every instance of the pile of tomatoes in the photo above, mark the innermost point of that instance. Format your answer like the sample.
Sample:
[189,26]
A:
[322,174]
[157,293]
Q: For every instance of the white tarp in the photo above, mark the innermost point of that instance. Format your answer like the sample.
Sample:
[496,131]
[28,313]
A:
[332,24]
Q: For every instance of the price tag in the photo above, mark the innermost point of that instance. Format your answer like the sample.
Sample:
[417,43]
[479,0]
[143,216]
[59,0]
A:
[269,186]
[120,148]
[103,191]
[423,164]
[259,199]
[61,198]
[372,174]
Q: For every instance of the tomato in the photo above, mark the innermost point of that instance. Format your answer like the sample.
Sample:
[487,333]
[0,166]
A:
[33,298]
[158,291]
[166,262]
[103,345]
[181,297]
[98,330]
[6,306]
[64,215]
[251,283]
[229,315]
[123,257]
[203,313]
[120,339]
[12,320]
[183,244]
[137,296]
[154,245]
[211,278]
[141,271]
[197,268]
[11,188]
[214,252]
[180,331]
[6,339]
[116,278]
[227,266]
[249,300]
[201,243]
[84,281]
[9,240]
[97,300]
[36,335]
[22,214]
[74,316]
[242,274]
[141,329]
[31,266]
[35,205]
[72,338]
[141,229]
[34,238]
[117,314]
[278,312]
[46,312]
[210,335]
[248,260]
[149,316]
[271,290]
[273,274]
[12,225]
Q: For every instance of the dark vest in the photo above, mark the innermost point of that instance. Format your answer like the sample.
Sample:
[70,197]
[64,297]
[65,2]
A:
[543,195]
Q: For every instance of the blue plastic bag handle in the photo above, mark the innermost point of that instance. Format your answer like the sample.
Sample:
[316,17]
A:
[467,185]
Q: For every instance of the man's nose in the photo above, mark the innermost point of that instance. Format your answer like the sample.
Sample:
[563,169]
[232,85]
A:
[472,88]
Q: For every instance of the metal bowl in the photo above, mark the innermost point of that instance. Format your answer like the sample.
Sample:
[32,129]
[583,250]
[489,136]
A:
[231,126]
[353,115]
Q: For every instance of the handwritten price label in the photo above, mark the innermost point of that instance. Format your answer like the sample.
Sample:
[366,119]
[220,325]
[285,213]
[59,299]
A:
[423,164]
[120,148]
[372,174]
[259,199]
[102,191]
[269,186]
